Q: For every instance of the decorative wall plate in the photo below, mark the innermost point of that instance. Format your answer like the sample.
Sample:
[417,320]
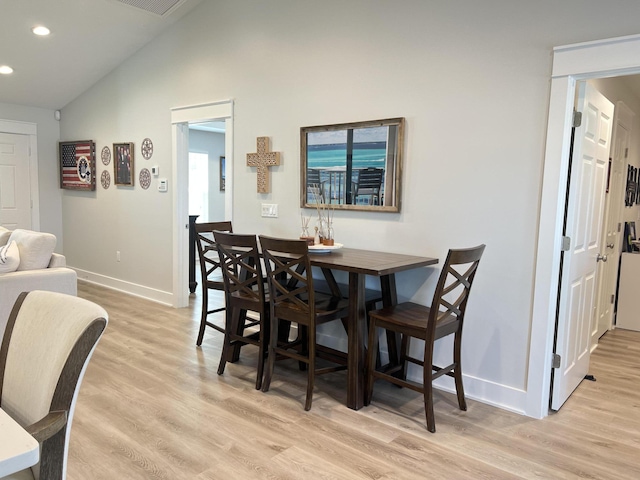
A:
[145,178]
[105,179]
[147,148]
[106,155]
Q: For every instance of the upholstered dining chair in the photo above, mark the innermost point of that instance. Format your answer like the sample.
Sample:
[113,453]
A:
[444,317]
[45,350]
[209,271]
[292,298]
[244,291]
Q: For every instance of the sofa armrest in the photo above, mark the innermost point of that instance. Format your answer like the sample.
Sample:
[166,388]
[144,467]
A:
[57,260]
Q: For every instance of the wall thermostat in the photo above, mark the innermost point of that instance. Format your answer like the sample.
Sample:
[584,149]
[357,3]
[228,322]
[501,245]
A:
[162,185]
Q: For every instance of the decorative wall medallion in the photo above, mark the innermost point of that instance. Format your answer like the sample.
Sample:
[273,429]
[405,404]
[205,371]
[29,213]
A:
[147,148]
[105,179]
[106,155]
[145,178]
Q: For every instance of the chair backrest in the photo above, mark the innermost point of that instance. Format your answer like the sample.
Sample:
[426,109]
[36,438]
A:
[241,266]
[452,292]
[45,350]
[208,251]
[290,281]
[370,178]
[315,188]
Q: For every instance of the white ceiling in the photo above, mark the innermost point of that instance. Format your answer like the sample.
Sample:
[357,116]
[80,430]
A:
[89,38]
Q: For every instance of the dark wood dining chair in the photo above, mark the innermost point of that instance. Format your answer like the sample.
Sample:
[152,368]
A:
[369,184]
[444,317]
[210,271]
[244,291]
[293,299]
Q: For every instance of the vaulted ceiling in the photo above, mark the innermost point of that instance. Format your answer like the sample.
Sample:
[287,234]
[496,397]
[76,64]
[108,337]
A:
[88,39]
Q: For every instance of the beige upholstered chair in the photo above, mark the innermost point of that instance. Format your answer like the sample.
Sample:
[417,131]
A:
[45,350]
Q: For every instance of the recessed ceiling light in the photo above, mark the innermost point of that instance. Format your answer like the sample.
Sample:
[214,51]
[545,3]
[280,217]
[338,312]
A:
[40,30]
[5,69]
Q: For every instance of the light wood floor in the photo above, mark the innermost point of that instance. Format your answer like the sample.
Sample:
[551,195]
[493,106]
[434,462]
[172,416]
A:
[152,407]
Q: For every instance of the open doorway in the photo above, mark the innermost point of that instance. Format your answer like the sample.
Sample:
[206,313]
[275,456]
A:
[593,60]
[181,119]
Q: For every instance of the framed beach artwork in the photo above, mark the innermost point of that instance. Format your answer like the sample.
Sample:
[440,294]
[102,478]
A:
[352,166]
[123,163]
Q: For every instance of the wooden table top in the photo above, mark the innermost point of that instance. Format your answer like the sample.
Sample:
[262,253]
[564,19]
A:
[369,262]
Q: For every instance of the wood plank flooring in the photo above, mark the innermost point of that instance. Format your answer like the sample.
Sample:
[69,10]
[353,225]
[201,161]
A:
[153,407]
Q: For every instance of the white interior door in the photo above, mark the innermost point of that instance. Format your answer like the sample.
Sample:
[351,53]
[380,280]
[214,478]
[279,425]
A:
[15,190]
[585,210]
[612,228]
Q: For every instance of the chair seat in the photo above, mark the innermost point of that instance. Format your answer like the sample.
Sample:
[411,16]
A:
[327,308]
[413,316]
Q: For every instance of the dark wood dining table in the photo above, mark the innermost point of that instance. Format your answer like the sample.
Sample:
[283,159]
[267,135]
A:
[358,264]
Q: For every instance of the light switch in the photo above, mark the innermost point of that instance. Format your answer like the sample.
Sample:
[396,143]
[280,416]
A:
[270,210]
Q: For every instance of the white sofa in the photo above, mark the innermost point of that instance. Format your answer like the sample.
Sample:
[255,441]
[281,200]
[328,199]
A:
[37,268]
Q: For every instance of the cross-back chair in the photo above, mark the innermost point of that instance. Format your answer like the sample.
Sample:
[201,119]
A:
[293,299]
[444,317]
[210,271]
[46,348]
[244,291]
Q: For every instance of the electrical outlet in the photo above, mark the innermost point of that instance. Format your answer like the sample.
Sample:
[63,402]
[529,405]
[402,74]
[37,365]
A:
[270,210]
[117,255]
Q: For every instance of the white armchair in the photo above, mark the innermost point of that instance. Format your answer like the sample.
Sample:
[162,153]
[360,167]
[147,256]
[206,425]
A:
[46,348]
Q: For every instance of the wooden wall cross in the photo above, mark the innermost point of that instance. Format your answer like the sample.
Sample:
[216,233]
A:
[262,160]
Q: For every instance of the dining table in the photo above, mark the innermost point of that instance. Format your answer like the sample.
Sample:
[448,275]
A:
[18,449]
[359,264]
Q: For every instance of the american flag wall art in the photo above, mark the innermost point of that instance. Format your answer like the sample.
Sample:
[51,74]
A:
[78,165]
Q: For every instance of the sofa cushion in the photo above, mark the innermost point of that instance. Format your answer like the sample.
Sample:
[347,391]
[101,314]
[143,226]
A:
[4,236]
[9,257]
[35,248]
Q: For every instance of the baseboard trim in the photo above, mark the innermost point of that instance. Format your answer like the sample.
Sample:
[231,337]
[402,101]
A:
[159,296]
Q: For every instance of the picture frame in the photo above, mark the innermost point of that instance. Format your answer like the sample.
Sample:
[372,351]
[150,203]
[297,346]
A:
[123,164]
[353,166]
[223,176]
[77,161]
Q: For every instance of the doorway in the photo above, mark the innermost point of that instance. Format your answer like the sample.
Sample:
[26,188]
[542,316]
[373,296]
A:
[607,58]
[181,119]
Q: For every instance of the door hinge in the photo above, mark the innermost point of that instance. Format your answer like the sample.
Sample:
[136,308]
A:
[619,227]
[626,152]
[613,298]
[577,119]
[555,360]
[566,244]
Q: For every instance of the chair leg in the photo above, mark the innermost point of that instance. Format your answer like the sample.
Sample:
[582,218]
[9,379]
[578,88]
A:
[404,352]
[226,344]
[311,342]
[372,349]
[457,373]
[271,356]
[428,396]
[203,315]
[303,334]
[263,338]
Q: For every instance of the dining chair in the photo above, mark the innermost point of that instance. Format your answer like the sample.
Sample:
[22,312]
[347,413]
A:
[315,186]
[244,291]
[444,317]
[46,348]
[210,271]
[292,299]
[369,184]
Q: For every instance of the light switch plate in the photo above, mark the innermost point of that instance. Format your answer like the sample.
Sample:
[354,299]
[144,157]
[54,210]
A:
[270,210]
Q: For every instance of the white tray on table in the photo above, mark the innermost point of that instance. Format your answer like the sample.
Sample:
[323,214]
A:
[324,248]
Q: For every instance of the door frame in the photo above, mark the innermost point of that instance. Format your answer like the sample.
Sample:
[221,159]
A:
[31,130]
[181,117]
[571,63]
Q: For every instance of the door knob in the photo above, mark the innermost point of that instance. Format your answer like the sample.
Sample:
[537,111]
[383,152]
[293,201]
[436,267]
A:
[601,258]
[610,245]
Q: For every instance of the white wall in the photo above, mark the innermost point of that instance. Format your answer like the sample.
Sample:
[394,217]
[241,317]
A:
[212,144]
[48,131]
[472,80]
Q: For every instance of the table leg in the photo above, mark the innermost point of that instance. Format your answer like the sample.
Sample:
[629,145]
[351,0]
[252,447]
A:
[355,362]
[390,297]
